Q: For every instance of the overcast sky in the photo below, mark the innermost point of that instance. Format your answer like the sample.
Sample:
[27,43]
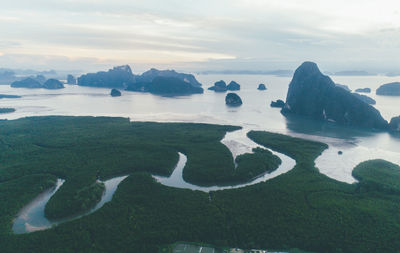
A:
[201,34]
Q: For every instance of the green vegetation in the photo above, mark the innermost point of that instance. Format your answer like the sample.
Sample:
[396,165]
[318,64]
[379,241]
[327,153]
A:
[6,110]
[76,201]
[82,149]
[258,163]
[378,175]
[299,209]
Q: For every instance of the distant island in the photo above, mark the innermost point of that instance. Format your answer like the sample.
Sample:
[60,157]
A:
[6,110]
[389,89]
[38,83]
[9,96]
[221,86]
[160,82]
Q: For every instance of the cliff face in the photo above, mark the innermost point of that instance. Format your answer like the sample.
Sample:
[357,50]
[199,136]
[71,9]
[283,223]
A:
[117,77]
[316,96]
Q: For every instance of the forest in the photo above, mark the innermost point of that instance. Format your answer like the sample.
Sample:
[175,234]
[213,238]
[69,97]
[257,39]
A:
[299,209]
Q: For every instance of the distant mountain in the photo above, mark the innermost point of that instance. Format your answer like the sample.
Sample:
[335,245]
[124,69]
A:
[316,96]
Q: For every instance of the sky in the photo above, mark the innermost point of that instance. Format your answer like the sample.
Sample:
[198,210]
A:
[200,35]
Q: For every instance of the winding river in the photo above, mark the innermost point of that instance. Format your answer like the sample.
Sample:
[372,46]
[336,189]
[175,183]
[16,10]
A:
[31,218]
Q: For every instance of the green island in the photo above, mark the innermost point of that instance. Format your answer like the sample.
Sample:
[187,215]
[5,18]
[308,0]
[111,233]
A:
[299,209]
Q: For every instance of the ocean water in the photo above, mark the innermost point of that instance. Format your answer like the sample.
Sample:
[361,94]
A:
[255,114]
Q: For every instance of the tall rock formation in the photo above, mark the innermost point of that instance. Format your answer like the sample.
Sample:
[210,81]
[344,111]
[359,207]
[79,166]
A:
[316,96]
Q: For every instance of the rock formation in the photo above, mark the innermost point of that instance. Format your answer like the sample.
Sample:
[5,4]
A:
[117,77]
[115,93]
[233,86]
[53,84]
[395,124]
[278,103]
[219,86]
[261,86]
[27,83]
[363,90]
[71,79]
[364,98]
[232,99]
[316,96]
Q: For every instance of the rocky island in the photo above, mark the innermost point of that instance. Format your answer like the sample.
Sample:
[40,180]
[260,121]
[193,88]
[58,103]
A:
[115,93]
[316,96]
[166,86]
[278,103]
[219,86]
[363,90]
[389,89]
[261,86]
[29,83]
[71,79]
[117,77]
[233,86]
[53,84]
[160,82]
[395,124]
[32,83]
[232,99]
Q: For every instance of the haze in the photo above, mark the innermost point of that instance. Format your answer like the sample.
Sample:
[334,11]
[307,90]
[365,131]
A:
[200,35]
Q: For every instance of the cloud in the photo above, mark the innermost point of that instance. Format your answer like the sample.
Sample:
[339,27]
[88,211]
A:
[190,32]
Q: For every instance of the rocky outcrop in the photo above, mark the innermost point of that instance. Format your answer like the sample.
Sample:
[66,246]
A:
[389,89]
[219,86]
[150,75]
[395,124]
[117,77]
[53,84]
[232,99]
[233,86]
[278,103]
[363,90]
[29,83]
[115,93]
[166,86]
[343,86]
[261,86]
[364,98]
[71,79]
[316,96]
